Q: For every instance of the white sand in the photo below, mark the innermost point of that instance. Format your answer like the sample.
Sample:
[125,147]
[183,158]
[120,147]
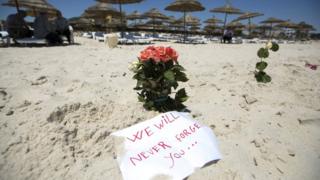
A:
[59,125]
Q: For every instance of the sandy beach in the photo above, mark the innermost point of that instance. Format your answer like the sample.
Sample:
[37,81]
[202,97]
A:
[59,105]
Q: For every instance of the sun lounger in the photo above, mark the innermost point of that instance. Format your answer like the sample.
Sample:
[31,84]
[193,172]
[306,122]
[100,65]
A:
[130,38]
[87,35]
[237,40]
[100,36]
[4,37]
[251,41]
[32,40]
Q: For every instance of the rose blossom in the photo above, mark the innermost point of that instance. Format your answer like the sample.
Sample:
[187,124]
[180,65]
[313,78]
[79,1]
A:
[157,54]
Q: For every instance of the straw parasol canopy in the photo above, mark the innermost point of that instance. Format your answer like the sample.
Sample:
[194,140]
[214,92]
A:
[227,9]
[102,10]
[189,20]
[155,22]
[34,5]
[177,25]
[287,24]
[213,20]
[194,28]
[272,21]
[120,2]
[235,25]
[249,16]
[81,22]
[185,6]
[154,14]
[134,15]
[304,26]
[212,28]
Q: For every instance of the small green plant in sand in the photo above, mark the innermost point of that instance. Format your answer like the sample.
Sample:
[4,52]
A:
[157,73]
[263,53]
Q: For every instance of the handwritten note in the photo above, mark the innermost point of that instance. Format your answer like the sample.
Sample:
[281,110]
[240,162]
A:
[170,144]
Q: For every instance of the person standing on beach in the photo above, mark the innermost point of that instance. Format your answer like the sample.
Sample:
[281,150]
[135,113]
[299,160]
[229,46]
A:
[17,26]
[43,29]
[62,26]
[227,36]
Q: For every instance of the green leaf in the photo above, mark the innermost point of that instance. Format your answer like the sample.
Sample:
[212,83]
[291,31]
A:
[262,77]
[148,105]
[169,75]
[181,95]
[181,76]
[267,78]
[275,47]
[141,99]
[263,53]
[261,65]
[177,68]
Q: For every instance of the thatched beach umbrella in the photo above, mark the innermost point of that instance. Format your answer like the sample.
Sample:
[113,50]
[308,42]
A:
[227,9]
[235,25]
[154,14]
[185,6]
[81,23]
[102,10]
[134,16]
[177,25]
[120,2]
[271,21]
[34,5]
[189,20]
[249,16]
[303,30]
[287,24]
[304,26]
[213,20]
[211,27]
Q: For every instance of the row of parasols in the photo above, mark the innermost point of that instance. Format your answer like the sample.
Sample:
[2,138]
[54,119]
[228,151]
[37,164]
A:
[103,9]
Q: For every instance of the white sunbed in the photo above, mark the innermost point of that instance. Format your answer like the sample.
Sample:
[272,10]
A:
[4,37]
[31,40]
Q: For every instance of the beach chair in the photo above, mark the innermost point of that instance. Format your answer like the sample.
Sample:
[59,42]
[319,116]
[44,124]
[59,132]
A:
[237,40]
[87,35]
[99,36]
[141,39]
[4,38]
[31,41]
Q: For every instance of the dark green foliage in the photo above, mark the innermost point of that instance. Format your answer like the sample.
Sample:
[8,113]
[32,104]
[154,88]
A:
[155,83]
[275,47]
[263,53]
[261,65]
[261,76]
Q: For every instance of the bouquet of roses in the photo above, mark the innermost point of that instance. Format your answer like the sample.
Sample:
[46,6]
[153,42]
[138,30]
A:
[157,73]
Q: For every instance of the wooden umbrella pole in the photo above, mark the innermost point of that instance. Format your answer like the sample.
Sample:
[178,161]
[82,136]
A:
[17,5]
[224,25]
[184,24]
[249,19]
[121,23]
[154,24]
[270,34]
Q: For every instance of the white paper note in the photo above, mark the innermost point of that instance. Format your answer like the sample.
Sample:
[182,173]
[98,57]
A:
[171,144]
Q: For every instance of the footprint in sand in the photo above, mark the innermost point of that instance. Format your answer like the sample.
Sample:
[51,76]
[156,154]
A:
[41,80]
[4,98]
